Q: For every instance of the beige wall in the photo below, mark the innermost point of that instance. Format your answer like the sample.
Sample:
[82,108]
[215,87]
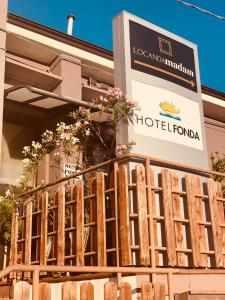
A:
[215,136]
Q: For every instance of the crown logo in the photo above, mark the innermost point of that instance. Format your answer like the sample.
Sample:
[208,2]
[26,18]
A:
[169,110]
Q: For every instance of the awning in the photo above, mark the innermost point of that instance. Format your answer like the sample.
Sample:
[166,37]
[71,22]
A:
[29,95]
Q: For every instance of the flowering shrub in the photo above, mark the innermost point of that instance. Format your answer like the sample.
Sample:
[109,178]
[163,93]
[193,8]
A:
[5,220]
[120,106]
[218,164]
[122,149]
[82,135]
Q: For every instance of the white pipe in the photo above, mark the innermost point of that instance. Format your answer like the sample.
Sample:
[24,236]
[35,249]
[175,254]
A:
[70,18]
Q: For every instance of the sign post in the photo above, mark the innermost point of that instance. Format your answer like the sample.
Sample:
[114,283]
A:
[160,70]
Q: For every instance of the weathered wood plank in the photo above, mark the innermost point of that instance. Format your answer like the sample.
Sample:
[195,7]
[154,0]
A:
[152,213]
[168,217]
[125,291]
[54,212]
[146,291]
[44,229]
[69,290]
[221,211]
[14,237]
[193,224]
[110,291]
[21,291]
[200,216]
[159,291]
[93,219]
[124,216]
[61,225]
[28,232]
[101,226]
[79,222]
[44,291]
[178,225]
[142,216]
[28,235]
[86,291]
[214,213]
[5,292]
[72,243]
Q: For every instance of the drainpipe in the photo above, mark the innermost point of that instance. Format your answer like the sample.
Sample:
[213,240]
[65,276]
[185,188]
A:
[71,19]
[3,19]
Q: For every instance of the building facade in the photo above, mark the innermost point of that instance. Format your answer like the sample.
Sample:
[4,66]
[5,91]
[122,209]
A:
[44,75]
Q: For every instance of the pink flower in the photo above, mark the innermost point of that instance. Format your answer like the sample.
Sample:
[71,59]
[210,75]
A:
[78,124]
[82,110]
[87,132]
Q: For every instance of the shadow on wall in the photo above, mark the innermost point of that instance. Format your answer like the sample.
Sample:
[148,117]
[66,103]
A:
[15,137]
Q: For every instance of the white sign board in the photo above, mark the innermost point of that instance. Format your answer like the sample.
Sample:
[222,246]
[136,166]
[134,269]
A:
[167,116]
[69,169]
[160,70]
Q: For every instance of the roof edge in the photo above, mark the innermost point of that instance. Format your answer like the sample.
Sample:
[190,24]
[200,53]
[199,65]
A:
[59,36]
[214,93]
[81,44]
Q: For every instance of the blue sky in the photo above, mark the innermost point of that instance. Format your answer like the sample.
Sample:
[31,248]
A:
[94,24]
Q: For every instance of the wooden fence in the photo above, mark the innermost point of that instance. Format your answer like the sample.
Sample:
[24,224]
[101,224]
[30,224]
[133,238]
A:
[69,291]
[133,215]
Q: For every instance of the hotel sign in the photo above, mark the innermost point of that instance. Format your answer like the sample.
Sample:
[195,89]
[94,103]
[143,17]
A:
[169,119]
[156,54]
[160,70]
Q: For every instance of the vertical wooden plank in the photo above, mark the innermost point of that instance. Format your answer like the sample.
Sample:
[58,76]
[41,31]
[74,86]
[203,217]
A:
[200,216]
[44,229]
[178,225]
[142,216]
[72,221]
[101,226]
[214,214]
[21,291]
[111,212]
[168,217]
[193,223]
[36,220]
[125,291]
[116,195]
[69,290]
[93,219]
[54,212]
[14,237]
[152,214]
[86,291]
[79,223]
[5,292]
[28,234]
[61,226]
[159,291]
[110,291]
[221,211]
[146,291]
[44,291]
[124,216]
